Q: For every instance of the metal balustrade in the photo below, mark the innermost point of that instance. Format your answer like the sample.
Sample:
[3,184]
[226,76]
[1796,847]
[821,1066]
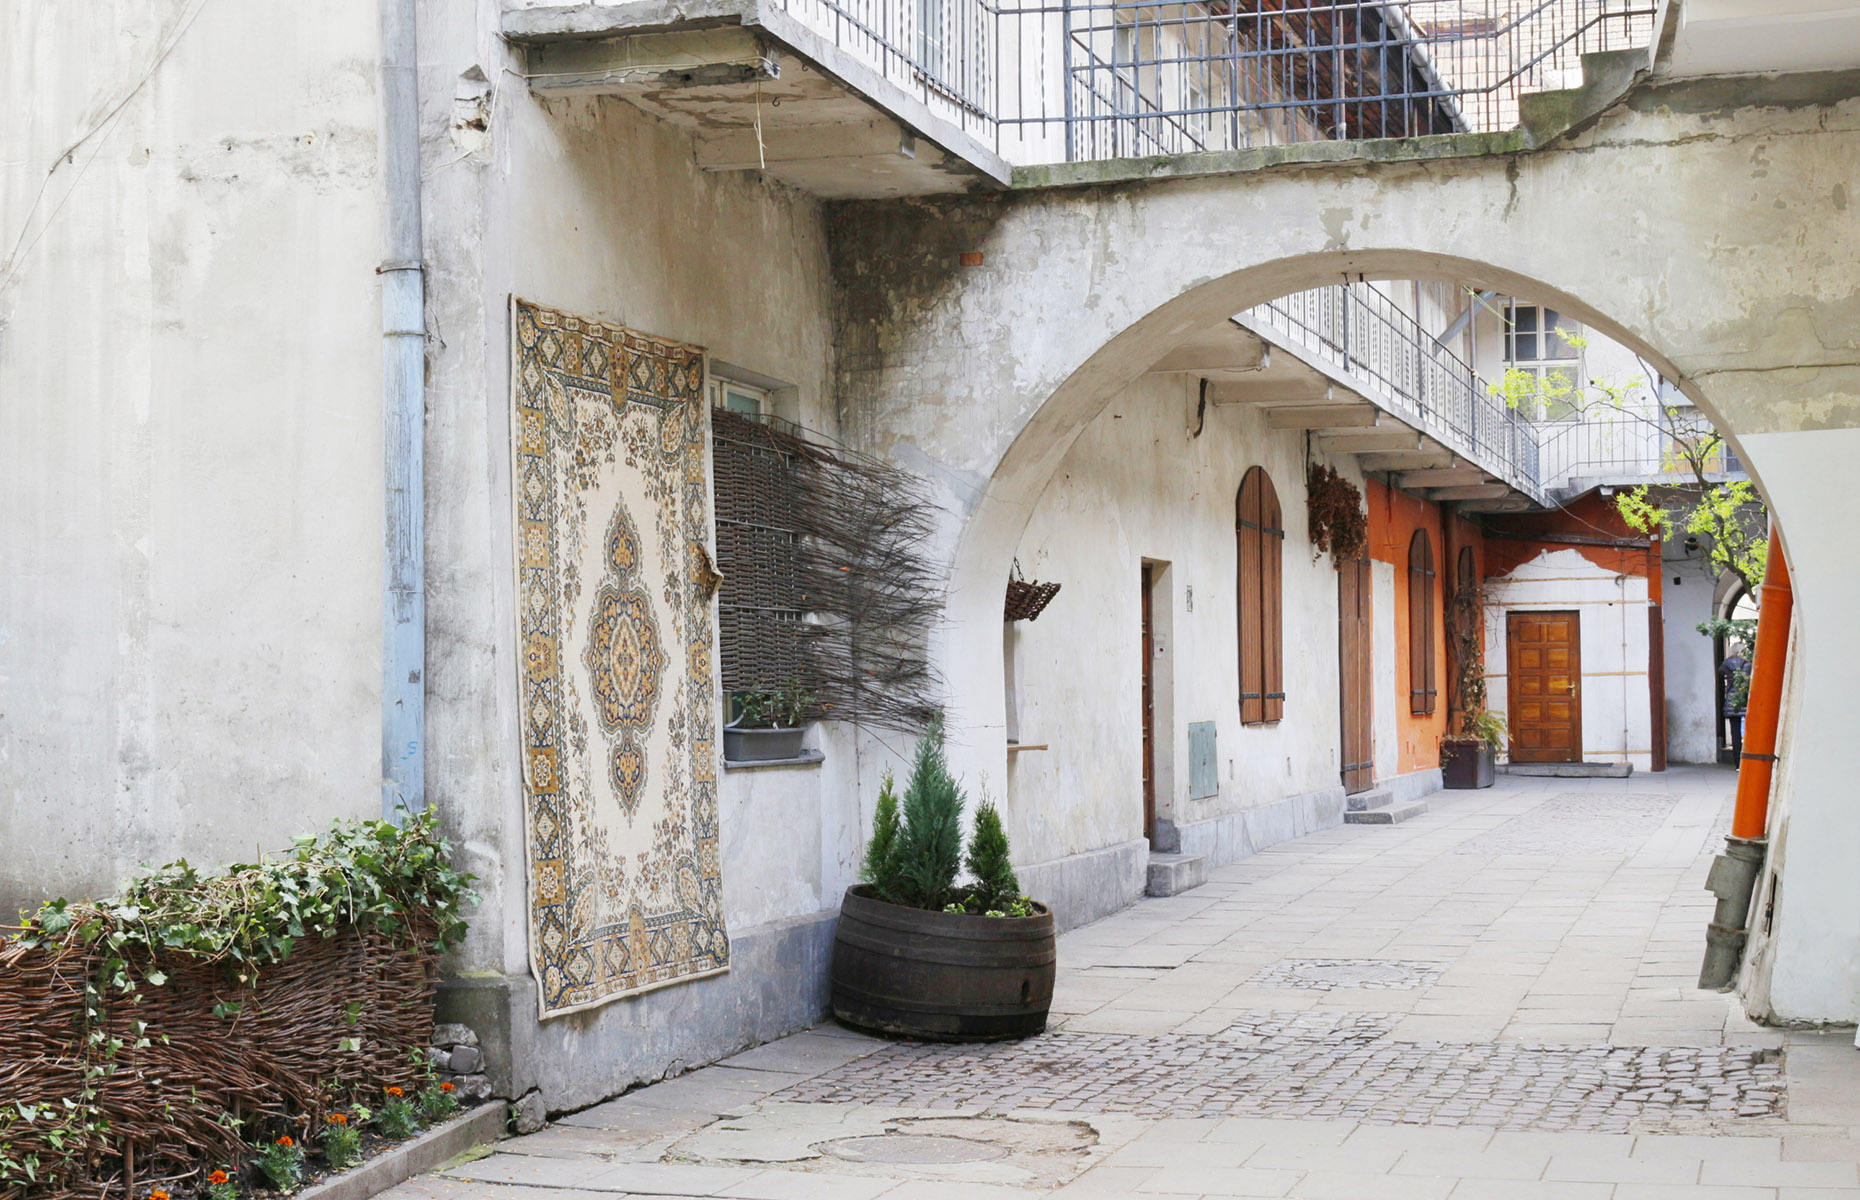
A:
[1082,80]
[1365,336]
[1655,444]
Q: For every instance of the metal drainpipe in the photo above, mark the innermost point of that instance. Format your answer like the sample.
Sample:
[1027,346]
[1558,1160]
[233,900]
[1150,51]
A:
[403,422]
[1734,875]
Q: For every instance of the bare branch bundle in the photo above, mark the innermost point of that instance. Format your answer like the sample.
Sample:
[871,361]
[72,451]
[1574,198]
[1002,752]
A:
[841,537]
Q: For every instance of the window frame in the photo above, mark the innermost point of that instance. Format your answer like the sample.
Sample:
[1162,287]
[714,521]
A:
[1259,541]
[1569,361]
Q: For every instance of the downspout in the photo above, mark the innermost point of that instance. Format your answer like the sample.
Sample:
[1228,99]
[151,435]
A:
[1734,875]
[403,422]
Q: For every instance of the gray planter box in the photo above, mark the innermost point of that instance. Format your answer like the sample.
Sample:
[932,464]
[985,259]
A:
[762,745]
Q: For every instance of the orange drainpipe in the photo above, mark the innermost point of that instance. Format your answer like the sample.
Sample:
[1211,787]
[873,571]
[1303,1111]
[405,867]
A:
[1751,819]
[1734,874]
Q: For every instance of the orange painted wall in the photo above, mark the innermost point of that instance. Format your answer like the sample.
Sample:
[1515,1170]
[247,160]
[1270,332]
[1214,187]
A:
[1394,516]
[1593,515]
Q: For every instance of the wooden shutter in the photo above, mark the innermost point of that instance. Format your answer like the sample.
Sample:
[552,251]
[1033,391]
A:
[1260,540]
[1421,686]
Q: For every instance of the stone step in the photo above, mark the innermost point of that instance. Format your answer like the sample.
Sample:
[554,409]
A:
[1575,770]
[1364,801]
[1173,874]
[1388,814]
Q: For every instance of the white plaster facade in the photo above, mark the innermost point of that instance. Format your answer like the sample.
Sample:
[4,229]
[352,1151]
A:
[190,461]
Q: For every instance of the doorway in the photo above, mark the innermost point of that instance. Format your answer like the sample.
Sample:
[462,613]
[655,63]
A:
[1356,674]
[1543,655]
[1149,703]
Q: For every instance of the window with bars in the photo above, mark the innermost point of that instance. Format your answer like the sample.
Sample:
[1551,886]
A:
[1423,689]
[1259,531]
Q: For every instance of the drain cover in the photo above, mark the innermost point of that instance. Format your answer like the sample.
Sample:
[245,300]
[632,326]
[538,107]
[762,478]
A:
[911,1149]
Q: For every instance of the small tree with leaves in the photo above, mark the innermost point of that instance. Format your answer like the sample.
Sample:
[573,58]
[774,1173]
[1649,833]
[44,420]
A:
[1727,517]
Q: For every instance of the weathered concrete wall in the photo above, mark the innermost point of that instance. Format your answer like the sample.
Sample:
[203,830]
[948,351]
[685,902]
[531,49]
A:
[592,207]
[1746,298]
[1137,487]
[1691,684]
[189,435]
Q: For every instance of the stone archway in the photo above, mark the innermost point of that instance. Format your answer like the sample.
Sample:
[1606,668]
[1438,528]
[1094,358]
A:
[1739,288]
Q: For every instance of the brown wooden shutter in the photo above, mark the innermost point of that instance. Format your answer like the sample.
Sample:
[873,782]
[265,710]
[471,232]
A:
[1246,600]
[1260,540]
[1421,685]
[1271,606]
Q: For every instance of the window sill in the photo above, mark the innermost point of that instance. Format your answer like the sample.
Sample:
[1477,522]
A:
[807,758]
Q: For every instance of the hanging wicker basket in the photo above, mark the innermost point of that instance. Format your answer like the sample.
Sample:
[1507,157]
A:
[1027,599]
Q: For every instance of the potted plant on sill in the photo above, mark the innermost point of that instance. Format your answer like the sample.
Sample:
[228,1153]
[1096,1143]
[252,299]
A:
[1469,759]
[918,955]
[769,724]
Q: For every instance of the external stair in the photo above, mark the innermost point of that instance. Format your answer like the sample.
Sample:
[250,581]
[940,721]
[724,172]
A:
[1572,770]
[1380,808]
[1173,874]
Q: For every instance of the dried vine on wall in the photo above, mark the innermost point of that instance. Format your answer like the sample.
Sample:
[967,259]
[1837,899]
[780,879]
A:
[1335,506]
[852,558]
[1465,621]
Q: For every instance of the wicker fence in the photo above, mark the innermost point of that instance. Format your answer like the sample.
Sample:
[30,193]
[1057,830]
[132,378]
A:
[186,1074]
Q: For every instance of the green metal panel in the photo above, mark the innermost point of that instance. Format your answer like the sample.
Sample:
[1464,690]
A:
[1204,777]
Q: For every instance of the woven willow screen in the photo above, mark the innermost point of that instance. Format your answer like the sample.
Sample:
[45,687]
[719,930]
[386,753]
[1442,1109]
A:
[825,581]
[759,606]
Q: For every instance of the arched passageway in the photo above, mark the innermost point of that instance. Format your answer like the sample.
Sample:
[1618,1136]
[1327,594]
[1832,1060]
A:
[1738,288]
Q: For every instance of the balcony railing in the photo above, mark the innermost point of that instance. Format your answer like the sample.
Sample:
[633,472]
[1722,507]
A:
[1658,445]
[1078,80]
[1365,336]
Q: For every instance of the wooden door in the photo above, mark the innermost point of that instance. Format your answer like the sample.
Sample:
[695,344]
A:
[1543,658]
[1149,708]
[1356,673]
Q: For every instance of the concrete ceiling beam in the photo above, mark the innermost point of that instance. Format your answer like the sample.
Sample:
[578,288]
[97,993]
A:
[656,62]
[1225,348]
[1512,503]
[1483,491]
[1316,390]
[1323,416]
[1391,438]
[739,150]
[1453,476]
[1428,457]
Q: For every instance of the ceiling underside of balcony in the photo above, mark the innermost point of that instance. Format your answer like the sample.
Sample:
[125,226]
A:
[1244,370]
[748,103]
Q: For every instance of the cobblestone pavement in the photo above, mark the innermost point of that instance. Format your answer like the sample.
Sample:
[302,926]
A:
[1267,1065]
[1493,1001]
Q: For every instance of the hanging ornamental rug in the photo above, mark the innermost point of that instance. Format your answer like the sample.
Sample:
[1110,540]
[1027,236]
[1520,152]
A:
[610,434]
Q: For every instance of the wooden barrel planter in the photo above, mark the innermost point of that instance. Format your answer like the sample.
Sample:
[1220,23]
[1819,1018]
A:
[941,977]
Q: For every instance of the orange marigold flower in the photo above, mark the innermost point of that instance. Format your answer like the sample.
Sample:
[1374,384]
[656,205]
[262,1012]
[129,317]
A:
[394,1091]
[337,1118]
[287,1140]
[218,1177]
[445,1087]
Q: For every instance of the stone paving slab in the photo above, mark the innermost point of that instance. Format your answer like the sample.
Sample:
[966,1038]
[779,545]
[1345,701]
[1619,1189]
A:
[1560,1053]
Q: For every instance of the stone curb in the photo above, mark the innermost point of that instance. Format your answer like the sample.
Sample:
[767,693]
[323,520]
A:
[415,1157]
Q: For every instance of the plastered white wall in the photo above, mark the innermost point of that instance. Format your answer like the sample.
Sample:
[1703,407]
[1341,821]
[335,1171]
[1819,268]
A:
[590,206]
[1612,617]
[190,470]
[1691,695]
[1136,485]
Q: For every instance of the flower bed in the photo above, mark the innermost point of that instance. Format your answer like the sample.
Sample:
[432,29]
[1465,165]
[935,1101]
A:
[149,1040]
